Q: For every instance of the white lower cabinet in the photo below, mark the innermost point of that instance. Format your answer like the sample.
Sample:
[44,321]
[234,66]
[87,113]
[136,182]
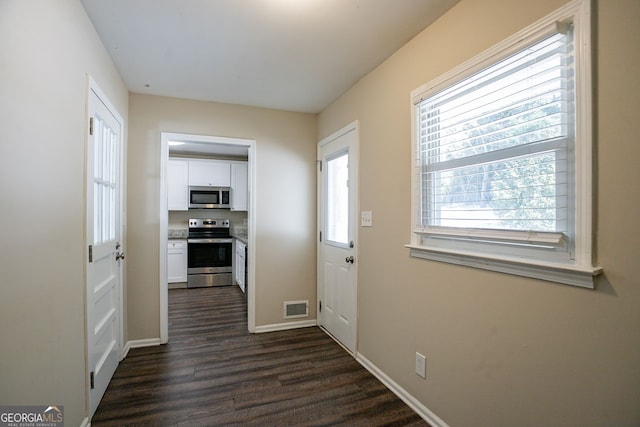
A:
[177,261]
[240,270]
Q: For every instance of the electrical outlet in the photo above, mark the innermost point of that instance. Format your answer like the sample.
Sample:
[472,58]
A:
[366,219]
[421,365]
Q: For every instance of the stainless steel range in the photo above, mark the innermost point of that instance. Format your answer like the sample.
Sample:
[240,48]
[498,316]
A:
[209,252]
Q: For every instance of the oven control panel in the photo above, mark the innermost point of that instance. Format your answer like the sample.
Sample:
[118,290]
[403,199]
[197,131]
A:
[208,223]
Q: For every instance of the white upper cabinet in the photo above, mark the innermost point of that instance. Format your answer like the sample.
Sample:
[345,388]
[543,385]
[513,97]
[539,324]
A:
[239,186]
[209,173]
[182,173]
[177,185]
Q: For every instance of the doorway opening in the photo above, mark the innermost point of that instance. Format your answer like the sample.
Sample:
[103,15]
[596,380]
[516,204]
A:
[207,147]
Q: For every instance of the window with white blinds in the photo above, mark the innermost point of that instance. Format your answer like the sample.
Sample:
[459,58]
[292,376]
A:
[495,149]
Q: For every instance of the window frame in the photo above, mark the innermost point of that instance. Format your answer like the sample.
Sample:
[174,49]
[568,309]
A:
[473,250]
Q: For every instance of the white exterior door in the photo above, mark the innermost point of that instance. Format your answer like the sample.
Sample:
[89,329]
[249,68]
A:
[337,271]
[105,256]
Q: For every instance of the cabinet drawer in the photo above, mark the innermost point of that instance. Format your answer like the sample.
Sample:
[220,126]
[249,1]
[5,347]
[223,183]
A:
[177,244]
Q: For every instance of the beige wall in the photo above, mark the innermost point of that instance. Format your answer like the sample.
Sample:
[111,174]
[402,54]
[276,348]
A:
[285,206]
[501,350]
[47,48]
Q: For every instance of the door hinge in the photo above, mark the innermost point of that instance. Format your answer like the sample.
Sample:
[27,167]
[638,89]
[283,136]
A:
[320,306]
[90,253]
[92,380]
[90,125]
[321,236]
[319,164]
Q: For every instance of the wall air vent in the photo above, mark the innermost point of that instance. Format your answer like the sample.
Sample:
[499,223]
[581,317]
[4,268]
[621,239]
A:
[293,309]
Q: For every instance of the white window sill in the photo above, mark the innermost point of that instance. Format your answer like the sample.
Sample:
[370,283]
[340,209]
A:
[567,274]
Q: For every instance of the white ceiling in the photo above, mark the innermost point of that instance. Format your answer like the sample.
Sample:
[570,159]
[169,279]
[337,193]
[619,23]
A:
[295,55]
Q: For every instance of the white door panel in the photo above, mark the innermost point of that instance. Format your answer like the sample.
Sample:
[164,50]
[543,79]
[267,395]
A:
[337,281]
[104,232]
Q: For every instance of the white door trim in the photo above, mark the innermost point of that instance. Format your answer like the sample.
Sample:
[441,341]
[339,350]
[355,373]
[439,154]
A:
[353,126]
[165,137]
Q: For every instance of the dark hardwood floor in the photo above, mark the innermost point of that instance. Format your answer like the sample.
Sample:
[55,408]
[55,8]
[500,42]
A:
[213,372]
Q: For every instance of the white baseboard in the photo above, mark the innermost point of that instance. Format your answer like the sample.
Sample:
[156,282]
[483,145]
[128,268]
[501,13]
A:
[149,342]
[286,326]
[413,403]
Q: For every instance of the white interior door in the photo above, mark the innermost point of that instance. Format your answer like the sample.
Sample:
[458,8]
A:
[337,272]
[104,232]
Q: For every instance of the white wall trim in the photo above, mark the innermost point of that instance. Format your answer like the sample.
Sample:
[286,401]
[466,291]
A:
[164,236]
[252,163]
[85,423]
[404,395]
[567,274]
[285,326]
[149,342]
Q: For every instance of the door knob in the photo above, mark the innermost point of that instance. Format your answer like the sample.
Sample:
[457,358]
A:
[119,256]
[349,259]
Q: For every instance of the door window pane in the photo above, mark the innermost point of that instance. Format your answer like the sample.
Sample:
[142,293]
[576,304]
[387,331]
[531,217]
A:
[104,182]
[338,199]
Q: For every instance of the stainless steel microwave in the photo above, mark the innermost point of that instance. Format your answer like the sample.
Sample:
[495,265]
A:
[209,197]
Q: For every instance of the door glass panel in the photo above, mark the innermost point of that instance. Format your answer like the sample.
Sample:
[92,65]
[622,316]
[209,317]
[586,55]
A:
[104,182]
[337,202]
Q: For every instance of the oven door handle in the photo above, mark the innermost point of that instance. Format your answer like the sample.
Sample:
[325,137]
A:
[209,240]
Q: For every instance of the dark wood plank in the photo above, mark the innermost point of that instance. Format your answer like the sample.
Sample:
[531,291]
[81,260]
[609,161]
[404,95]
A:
[213,372]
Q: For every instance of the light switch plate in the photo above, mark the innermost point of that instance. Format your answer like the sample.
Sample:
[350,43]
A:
[366,219]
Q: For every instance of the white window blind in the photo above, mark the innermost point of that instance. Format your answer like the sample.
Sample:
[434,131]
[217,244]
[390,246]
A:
[495,149]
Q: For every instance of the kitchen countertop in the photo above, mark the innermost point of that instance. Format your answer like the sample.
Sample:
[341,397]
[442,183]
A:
[240,235]
[183,233]
[178,233]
